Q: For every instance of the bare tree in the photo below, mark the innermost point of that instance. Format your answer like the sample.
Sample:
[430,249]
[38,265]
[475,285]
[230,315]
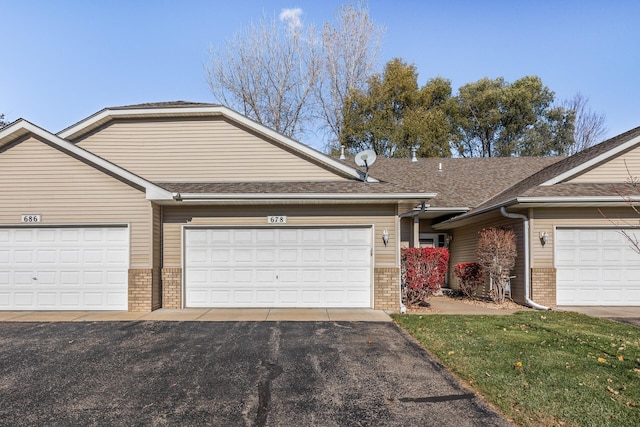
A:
[268,72]
[281,74]
[497,255]
[589,128]
[2,122]
[350,50]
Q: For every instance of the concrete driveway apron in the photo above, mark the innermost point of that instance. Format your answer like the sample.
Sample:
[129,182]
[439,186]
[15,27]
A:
[227,373]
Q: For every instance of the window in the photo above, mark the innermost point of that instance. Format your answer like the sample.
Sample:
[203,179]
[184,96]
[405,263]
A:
[433,240]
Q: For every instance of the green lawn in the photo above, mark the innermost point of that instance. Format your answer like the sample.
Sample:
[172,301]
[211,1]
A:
[541,368]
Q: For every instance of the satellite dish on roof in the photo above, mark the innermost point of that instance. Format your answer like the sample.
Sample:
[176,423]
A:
[365,158]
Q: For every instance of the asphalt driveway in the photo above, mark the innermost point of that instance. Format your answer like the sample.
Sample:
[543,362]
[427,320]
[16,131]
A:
[227,373]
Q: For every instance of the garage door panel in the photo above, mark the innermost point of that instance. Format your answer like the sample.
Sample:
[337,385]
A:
[288,276]
[288,256]
[241,277]
[21,256]
[595,267]
[46,278]
[47,299]
[311,236]
[280,267]
[265,255]
[265,276]
[587,256]
[242,255]
[288,297]
[313,256]
[266,237]
[613,255]
[24,300]
[23,277]
[286,236]
[70,278]
[243,296]
[266,297]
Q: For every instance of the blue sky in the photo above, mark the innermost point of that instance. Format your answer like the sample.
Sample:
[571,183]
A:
[65,60]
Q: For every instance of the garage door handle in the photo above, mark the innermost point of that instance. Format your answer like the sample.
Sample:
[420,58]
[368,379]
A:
[34,278]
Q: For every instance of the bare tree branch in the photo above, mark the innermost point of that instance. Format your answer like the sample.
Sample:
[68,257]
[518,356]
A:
[589,126]
[268,72]
[351,47]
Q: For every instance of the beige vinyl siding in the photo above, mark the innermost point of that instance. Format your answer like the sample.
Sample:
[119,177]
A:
[381,217]
[39,179]
[464,246]
[203,150]
[615,170]
[547,219]
[405,232]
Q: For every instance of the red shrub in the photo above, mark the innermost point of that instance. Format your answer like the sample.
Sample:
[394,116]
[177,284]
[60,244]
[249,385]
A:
[423,273]
[469,276]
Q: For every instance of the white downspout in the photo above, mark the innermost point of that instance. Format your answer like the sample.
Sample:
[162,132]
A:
[527,273]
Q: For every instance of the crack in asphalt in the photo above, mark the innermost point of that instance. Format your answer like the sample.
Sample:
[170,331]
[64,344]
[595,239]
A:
[264,393]
[435,399]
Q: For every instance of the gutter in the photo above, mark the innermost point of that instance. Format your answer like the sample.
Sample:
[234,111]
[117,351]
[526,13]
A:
[527,273]
[423,207]
[298,196]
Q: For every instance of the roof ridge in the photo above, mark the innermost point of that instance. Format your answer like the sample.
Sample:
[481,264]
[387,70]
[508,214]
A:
[164,104]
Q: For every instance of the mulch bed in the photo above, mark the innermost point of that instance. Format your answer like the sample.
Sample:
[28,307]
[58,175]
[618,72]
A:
[477,301]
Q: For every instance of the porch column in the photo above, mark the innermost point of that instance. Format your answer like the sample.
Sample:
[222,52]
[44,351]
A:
[415,235]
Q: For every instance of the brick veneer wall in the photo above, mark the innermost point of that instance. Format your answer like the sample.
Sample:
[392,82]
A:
[140,289]
[172,287]
[386,289]
[156,294]
[543,286]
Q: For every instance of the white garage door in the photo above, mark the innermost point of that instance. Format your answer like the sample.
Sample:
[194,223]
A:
[278,267]
[596,267]
[64,268]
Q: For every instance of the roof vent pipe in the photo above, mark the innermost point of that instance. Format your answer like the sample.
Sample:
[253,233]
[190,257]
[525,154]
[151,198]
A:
[342,157]
[440,167]
[527,273]
[413,154]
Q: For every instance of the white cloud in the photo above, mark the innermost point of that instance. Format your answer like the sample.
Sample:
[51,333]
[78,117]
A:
[291,17]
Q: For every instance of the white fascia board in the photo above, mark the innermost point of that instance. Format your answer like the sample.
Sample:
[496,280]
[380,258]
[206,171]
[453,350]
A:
[151,189]
[586,165]
[447,209]
[301,196]
[578,199]
[215,110]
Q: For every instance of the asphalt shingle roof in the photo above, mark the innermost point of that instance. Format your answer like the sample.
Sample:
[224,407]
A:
[527,186]
[462,182]
[326,187]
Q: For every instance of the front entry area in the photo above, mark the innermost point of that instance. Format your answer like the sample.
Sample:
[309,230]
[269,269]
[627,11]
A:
[596,266]
[64,268]
[278,266]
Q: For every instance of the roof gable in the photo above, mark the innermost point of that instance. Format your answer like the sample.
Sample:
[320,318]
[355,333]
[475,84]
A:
[591,157]
[182,110]
[21,129]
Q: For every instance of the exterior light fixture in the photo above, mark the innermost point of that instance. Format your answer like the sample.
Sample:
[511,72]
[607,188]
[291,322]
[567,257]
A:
[544,236]
[385,237]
